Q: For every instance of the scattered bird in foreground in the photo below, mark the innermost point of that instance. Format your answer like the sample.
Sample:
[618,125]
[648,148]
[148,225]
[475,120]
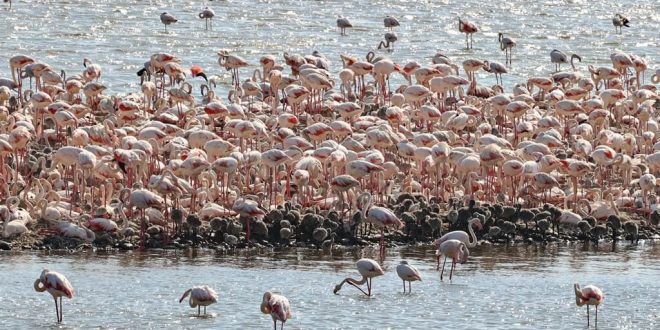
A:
[277,306]
[57,285]
[342,24]
[369,269]
[619,21]
[200,296]
[407,273]
[167,19]
[590,295]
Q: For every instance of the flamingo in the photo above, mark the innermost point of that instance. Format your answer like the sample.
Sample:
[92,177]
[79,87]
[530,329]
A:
[207,14]
[506,45]
[495,68]
[277,306]
[57,285]
[343,23]
[408,273]
[558,57]
[455,249]
[200,296]
[167,19]
[619,21]
[469,29]
[460,235]
[380,216]
[247,209]
[390,22]
[390,39]
[369,269]
[590,295]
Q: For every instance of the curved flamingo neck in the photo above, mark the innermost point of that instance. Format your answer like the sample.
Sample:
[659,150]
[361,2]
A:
[472,242]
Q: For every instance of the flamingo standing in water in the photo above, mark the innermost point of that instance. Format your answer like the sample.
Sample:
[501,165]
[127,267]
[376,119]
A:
[469,29]
[277,306]
[590,295]
[506,44]
[380,216]
[390,22]
[57,285]
[619,21]
[167,19]
[207,14]
[369,269]
[455,249]
[200,296]
[558,57]
[343,23]
[459,235]
[407,273]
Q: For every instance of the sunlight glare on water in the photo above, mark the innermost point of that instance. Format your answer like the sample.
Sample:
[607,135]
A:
[523,287]
[121,35]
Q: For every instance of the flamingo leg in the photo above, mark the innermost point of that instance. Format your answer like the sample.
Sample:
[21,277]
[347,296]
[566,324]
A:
[443,268]
[61,310]
[198,310]
[451,270]
[274,325]
[587,315]
[596,322]
[404,286]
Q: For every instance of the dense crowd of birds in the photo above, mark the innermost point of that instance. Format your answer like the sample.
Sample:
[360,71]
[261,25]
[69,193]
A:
[309,157]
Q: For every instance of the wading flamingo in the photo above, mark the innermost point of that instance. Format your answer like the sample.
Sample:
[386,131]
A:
[590,295]
[369,269]
[200,296]
[277,306]
[455,249]
[57,285]
[407,273]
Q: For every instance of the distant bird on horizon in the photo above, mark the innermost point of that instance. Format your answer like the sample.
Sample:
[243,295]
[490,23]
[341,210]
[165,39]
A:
[57,285]
[590,295]
[200,296]
[390,22]
[167,19]
[343,23]
[619,21]
[207,14]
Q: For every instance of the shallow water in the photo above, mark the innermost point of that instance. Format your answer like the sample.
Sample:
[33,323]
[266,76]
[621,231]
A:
[523,287]
[120,35]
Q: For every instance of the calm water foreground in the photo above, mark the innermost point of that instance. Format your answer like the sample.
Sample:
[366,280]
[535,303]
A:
[524,287]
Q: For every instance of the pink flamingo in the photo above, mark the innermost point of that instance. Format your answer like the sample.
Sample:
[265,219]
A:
[369,269]
[57,285]
[380,216]
[277,306]
[469,29]
[407,273]
[590,295]
[455,249]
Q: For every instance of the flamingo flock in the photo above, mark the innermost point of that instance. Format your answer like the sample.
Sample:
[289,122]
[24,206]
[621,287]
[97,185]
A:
[294,151]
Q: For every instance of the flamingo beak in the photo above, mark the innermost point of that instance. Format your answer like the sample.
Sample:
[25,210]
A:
[203,75]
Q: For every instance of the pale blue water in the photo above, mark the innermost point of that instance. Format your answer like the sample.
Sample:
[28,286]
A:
[526,287]
[120,35]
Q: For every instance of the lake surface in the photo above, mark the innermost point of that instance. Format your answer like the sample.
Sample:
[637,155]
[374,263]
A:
[503,287]
[121,35]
